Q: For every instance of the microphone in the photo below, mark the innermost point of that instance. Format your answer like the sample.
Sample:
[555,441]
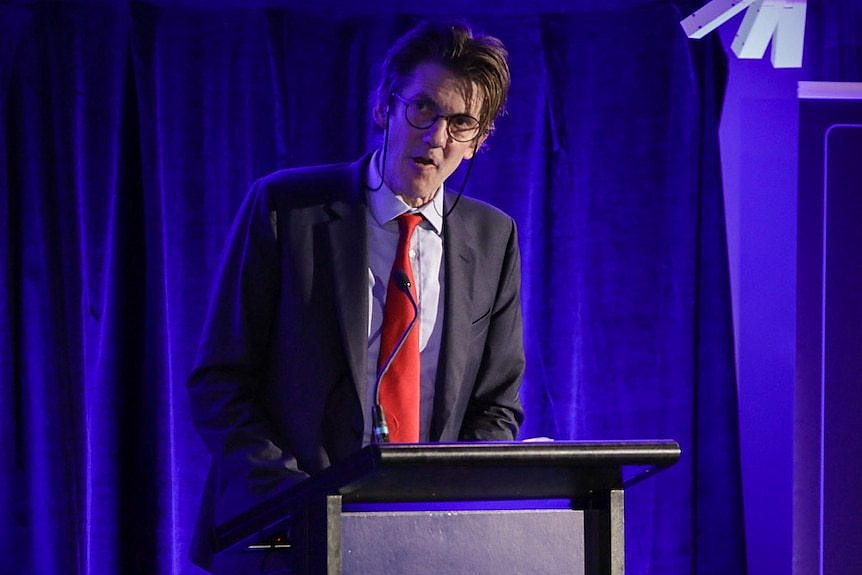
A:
[379,428]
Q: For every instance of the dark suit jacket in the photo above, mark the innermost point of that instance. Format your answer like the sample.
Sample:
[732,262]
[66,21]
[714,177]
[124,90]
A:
[278,391]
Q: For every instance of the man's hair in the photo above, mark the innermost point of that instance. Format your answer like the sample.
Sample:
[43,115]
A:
[481,60]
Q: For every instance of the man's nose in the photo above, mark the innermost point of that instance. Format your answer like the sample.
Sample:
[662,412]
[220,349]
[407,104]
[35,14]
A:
[437,134]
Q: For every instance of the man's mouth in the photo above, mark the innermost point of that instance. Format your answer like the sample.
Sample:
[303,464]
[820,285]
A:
[424,161]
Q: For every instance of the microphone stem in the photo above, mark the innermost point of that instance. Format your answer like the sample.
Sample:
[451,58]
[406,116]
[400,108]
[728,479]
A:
[379,428]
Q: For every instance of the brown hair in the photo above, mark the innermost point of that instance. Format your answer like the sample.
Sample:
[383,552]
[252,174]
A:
[478,59]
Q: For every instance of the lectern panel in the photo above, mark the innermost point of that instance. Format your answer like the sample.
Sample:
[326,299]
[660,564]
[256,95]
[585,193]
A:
[497,542]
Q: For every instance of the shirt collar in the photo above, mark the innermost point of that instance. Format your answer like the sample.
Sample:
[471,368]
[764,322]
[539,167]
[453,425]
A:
[386,206]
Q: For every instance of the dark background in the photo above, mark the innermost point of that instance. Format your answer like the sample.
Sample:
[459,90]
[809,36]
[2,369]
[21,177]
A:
[129,132]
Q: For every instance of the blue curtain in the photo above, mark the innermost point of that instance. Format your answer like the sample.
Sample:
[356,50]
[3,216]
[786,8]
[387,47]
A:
[129,133]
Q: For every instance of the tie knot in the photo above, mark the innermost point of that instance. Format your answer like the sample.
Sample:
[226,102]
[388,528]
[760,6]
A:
[408,222]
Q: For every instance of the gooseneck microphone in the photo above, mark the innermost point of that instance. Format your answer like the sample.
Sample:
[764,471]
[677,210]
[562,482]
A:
[379,429]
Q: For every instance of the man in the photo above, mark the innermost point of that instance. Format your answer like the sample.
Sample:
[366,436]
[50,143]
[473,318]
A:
[291,364]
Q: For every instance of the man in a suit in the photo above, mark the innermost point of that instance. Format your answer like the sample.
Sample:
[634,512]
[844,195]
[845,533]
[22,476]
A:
[298,348]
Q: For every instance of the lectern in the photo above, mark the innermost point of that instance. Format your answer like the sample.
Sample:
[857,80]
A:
[473,508]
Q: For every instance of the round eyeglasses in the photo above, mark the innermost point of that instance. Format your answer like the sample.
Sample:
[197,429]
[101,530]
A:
[422,113]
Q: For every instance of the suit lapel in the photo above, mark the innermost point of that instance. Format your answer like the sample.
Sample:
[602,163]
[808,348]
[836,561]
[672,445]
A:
[346,233]
[460,260]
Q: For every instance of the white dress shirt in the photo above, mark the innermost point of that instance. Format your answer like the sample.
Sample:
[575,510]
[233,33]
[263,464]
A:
[426,259]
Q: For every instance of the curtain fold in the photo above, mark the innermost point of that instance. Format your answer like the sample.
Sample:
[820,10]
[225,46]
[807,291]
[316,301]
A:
[129,134]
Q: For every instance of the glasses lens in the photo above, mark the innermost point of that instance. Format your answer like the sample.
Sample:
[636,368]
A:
[463,128]
[421,114]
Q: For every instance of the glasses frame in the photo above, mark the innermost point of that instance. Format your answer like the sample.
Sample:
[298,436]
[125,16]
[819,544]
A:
[448,118]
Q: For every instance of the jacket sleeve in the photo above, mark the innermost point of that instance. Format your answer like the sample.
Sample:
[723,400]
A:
[230,368]
[494,411]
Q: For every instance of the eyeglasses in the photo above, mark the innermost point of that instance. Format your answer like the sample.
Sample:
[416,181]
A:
[423,113]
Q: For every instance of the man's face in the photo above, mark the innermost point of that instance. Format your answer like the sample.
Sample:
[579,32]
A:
[418,160]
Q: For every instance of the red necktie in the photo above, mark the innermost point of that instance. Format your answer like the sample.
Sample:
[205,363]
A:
[399,389]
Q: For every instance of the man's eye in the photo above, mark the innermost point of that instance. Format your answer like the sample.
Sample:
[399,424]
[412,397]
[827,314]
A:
[423,106]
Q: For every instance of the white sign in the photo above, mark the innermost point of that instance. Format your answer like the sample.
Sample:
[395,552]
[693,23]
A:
[782,21]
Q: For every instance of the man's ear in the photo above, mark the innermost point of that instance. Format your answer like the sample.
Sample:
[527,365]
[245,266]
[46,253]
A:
[381,110]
